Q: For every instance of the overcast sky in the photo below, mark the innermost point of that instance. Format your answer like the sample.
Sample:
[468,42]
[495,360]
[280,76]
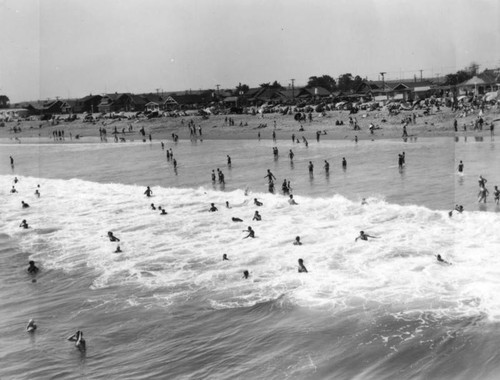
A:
[70,48]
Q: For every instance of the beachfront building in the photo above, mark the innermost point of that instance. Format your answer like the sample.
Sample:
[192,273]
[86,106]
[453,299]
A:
[57,106]
[487,81]
[152,107]
[411,90]
[4,101]
[124,102]
[313,94]
[7,114]
[189,100]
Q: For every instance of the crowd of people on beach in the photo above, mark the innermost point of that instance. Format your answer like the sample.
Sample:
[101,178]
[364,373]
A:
[217,176]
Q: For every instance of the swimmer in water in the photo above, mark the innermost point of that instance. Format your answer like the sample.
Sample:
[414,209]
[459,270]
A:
[291,200]
[24,204]
[112,237]
[32,269]
[236,219]
[163,212]
[13,190]
[440,259]
[153,206]
[78,339]
[212,208]
[118,249]
[24,224]
[224,257]
[31,327]
[297,241]
[256,202]
[251,233]
[364,202]
[364,236]
[246,274]
[257,216]
[302,267]
[148,192]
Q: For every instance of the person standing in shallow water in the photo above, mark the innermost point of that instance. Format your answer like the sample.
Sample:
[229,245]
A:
[461,167]
[148,192]
[344,163]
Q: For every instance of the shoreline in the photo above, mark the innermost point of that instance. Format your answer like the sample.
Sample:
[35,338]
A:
[437,124]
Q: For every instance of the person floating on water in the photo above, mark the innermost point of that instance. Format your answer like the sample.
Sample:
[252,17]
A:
[24,224]
[246,274]
[31,326]
[234,219]
[257,202]
[112,237]
[24,204]
[79,341]
[364,236]
[212,208]
[441,260]
[118,249]
[251,233]
[302,267]
[32,269]
[291,200]
[224,257]
[297,241]
[148,192]
[257,216]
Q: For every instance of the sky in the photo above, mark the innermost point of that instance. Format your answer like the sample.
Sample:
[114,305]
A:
[73,48]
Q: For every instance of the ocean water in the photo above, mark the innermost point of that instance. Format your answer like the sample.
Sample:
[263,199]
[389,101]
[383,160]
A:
[168,307]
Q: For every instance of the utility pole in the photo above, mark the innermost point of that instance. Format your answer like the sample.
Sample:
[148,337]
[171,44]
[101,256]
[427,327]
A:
[383,81]
[421,75]
[293,88]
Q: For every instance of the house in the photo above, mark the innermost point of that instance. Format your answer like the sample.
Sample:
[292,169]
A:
[124,102]
[412,90]
[57,106]
[152,107]
[34,108]
[487,81]
[4,101]
[89,104]
[187,100]
[313,93]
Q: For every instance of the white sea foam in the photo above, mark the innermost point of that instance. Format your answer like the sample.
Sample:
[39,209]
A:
[179,255]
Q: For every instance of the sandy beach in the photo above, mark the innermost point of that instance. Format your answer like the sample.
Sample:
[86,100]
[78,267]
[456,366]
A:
[438,123]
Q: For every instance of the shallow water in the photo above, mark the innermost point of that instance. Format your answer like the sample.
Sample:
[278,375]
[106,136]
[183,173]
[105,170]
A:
[168,307]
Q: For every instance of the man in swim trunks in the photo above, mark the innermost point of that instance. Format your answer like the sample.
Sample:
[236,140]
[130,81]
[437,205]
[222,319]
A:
[148,192]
